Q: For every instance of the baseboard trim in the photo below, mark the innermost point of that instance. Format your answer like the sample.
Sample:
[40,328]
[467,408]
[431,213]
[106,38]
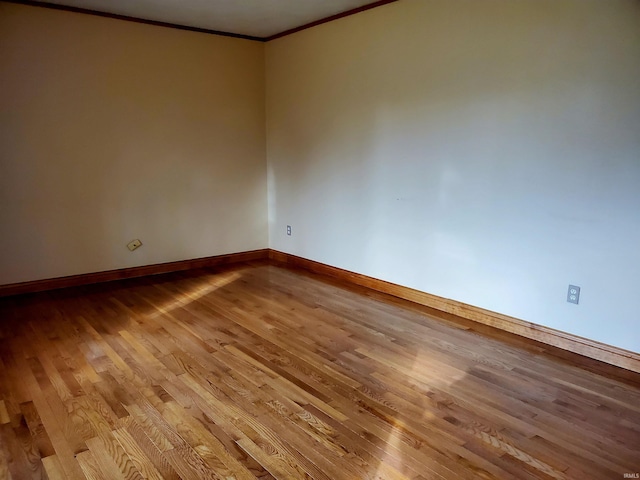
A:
[549,336]
[566,341]
[124,273]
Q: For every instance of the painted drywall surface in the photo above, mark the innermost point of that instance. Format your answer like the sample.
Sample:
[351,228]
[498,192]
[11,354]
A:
[487,152]
[112,130]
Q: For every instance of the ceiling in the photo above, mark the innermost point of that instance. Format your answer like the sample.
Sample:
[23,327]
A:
[255,18]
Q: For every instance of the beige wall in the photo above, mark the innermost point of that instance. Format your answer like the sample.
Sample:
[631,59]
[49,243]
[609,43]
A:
[484,151]
[112,130]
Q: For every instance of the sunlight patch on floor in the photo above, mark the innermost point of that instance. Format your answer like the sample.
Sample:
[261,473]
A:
[418,372]
[211,285]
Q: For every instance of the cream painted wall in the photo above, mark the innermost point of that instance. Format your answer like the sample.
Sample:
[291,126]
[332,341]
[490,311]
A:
[487,152]
[112,130]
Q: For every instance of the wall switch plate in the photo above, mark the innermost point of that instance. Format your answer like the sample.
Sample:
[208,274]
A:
[133,244]
[289,230]
[573,294]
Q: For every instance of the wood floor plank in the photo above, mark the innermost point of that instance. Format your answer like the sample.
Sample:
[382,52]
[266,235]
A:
[37,430]
[141,462]
[4,414]
[53,468]
[105,463]
[256,371]
[90,467]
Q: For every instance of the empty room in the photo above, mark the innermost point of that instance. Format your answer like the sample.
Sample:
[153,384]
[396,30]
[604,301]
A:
[326,239]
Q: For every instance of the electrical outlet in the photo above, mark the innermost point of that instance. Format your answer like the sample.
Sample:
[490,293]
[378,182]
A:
[573,294]
[133,244]
[289,230]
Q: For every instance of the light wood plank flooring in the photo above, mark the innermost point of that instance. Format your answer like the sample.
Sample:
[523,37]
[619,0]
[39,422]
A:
[256,371]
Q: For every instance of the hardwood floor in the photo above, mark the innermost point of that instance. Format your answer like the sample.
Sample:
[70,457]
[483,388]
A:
[255,371]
